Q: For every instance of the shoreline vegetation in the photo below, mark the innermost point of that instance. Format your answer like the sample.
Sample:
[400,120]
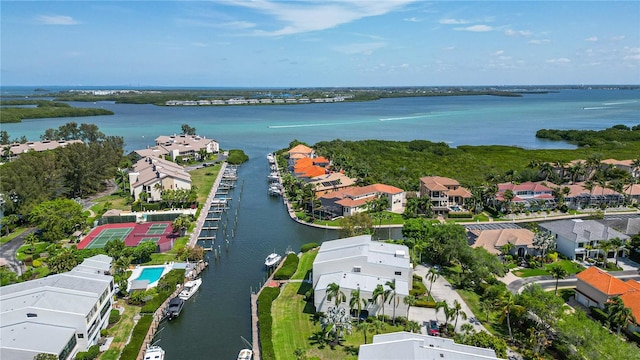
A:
[42,109]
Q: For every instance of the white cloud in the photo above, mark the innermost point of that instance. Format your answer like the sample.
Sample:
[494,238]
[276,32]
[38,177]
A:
[559,61]
[476,28]
[523,33]
[449,48]
[593,38]
[617,38]
[301,17]
[499,52]
[360,49]
[412,19]
[453,21]
[539,41]
[56,20]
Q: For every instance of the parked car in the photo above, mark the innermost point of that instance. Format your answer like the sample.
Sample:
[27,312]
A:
[433,329]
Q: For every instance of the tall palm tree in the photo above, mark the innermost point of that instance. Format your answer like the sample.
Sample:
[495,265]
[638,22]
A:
[457,311]
[561,164]
[431,277]
[508,196]
[364,326]
[390,293]
[356,301]
[546,169]
[379,293]
[558,272]
[334,292]
[618,314]
[508,306]
[606,247]
[410,301]
[617,245]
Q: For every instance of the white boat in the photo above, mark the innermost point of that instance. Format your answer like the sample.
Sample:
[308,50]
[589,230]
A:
[273,175]
[245,354]
[271,158]
[190,288]
[274,190]
[154,352]
[272,260]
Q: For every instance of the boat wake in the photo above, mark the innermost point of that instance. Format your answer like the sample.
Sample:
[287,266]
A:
[316,124]
[621,102]
[405,117]
[597,107]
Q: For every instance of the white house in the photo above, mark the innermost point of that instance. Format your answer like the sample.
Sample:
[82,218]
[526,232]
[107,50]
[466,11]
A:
[60,314]
[411,346]
[578,239]
[186,146]
[154,175]
[358,263]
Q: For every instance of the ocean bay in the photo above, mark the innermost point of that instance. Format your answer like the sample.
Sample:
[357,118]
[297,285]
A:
[215,319]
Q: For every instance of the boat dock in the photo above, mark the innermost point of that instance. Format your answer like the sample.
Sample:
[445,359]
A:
[158,315]
[195,236]
[255,333]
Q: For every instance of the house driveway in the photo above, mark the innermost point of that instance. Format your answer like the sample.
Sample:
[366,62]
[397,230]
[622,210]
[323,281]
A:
[441,291]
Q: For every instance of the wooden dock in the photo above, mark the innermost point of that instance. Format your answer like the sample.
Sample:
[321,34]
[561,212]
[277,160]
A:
[193,240]
[255,333]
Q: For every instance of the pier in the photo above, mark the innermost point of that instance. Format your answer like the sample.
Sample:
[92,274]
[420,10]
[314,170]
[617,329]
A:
[206,208]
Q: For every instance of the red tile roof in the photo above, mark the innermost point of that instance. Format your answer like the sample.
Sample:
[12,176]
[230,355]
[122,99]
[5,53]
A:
[301,149]
[603,281]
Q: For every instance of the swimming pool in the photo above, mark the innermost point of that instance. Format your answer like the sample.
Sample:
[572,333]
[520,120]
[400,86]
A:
[152,274]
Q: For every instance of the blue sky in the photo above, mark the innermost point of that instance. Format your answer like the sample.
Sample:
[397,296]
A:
[319,43]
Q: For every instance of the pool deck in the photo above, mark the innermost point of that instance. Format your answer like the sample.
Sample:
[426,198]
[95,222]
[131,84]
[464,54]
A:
[137,271]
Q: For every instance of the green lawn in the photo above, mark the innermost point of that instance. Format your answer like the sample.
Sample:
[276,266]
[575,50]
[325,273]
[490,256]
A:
[305,265]
[568,265]
[13,234]
[204,178]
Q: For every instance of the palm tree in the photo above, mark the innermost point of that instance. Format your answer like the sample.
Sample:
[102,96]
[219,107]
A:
[379,293]
[356,301]
[558,272]
[635,166]
[431,277]
[390,293]
[589,185]
[445,308]
[605,246]
[508,306]
[561,164]
[487,306]
[577,171]
[617,245]
[333,291]
[364,327]
[618,314]
[546,169]
[506,248]
[410,301]
[457,311]
[123,176]
[508,196]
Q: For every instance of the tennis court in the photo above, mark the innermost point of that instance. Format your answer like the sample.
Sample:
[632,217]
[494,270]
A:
[159,233]
[157,229]
[107,235]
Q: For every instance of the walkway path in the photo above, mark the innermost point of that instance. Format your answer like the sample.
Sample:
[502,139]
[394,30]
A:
[441,291]
[9,249]
[193,239]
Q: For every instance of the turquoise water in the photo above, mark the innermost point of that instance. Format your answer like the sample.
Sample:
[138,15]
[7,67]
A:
[215,321]
[152,274]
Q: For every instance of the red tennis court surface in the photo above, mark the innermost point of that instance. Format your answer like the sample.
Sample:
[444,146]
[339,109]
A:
[132,234]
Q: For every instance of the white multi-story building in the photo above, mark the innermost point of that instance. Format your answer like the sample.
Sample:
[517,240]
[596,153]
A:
[358,263]
[61,314]
[154,175]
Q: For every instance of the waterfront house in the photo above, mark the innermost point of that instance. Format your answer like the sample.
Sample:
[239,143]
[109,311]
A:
[154,175]
[595,287]
[624,165]
[581,196]
[331,182]
[352,200]
[14,150]
[446,194]
[187,146]
[411,346]
[60,314]
[359,263]
[578,239]
[494,240]
[300,151]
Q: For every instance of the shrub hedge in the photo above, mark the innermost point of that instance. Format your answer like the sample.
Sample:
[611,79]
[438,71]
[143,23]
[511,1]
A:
[131,350]
[90,354]
[598,314]
[114,316]
[635,336]
[308,246]
[287,269]
[166,286]
[266,297]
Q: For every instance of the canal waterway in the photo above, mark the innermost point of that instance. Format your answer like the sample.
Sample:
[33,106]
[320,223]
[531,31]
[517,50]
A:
[214,320]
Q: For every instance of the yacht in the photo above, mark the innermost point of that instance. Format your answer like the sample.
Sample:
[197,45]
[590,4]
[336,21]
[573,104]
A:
[174,308]
[190,288]
[275,190]
[273,176]
[272,260]
[271,158]
[245,354]
[154,352]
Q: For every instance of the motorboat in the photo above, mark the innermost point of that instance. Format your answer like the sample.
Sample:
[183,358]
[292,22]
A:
[271,158]
[154,352]
[272,260]
[273,176]
[190,288]
[245,354]
[174,308]
[274,190]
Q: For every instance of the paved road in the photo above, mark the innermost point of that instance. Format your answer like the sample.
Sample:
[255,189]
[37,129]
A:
[8,252]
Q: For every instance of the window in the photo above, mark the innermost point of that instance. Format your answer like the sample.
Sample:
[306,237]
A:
[80,336]
[30,315]
[356,269]
[580,245]
[398,272]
